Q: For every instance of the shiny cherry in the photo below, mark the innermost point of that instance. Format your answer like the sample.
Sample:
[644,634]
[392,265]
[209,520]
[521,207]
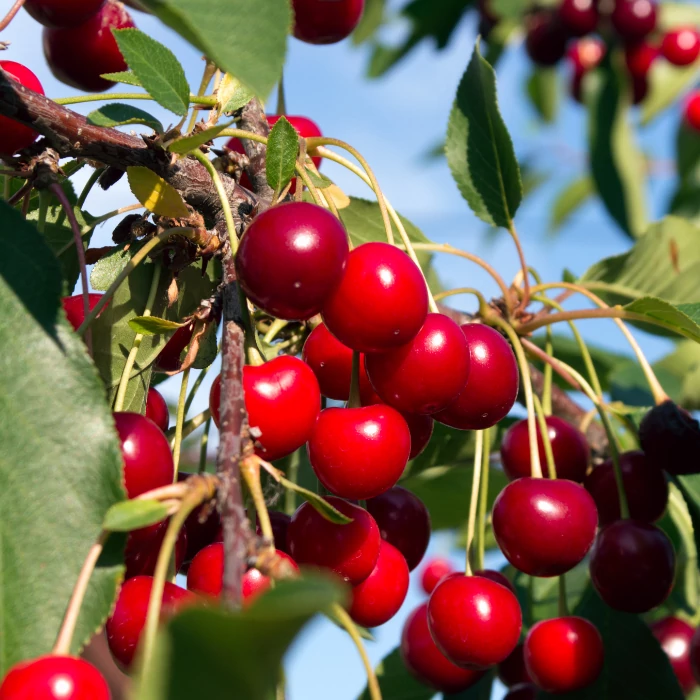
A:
[639,57]
[283,401]
[522,691]
[280,525]
[157,409]
[563,654]
[381,302]
[378,598]
[426,662]
[13,135]
[79,55]
[62,13]
[143,547]
[168,359]
[127,621]
[75,308]
[496,577]
[512,670]
[634,19]
[544,527]
[585,54]
[645,487]
[569,448]
[578,17]
[695,655]
[474,621]
[670,437]
[54,678]
[350,550]
[291,259]
[202,525]
[545,41]
[691,111]
[492,386]
[427,373]
[675,637]
[358,453]
[146,457]
[632,566]
[323,22]
[403,521]
[681,46]
[433,572]
[254,582]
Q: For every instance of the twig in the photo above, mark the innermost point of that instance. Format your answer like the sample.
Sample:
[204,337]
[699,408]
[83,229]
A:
[11,14]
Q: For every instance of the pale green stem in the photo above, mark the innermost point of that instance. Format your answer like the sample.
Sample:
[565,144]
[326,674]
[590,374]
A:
[473,501]
[177,446]
[195,388]
[483,498]
[78,99]
[542,424]
[203,444]
[189,426]
[94,177]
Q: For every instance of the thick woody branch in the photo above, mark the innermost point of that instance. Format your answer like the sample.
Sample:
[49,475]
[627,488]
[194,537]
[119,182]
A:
[253,119]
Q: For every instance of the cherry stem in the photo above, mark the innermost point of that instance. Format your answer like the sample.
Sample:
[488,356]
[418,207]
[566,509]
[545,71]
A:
[483,304]
[209,70]
[131,358]
[242,134]
[281,99]
[190,426]
[203,443]
[354,399]
[473,501]
[78,99]
[563,600]
[275,327]
[254,352]
[195,387]
[542,425]
[346,621]
[480,535]
[70,619]
[250,470]
[92,181]
[301,172]
[4,23]
[526,275]
[290,495]
[547,376]
[177,446]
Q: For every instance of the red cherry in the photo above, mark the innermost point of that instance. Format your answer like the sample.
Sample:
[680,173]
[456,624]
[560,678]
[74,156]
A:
[681,46]
[434,571]
[168,359]
[13,135]
[695,655]
[78,56]
[586,53]
[492,386]
[427,373]
[202,525]
[421,429]
[496,577]
[157,409]
[545,41]
[254,582]
[62,13]
[569,448]
[283,401]
[378,598]
[350,550]
[512,670]
[564,654]
[54,678]
[148,463]
[323,22]
[143,547]
[634,19]
[522,691]
[475,622]
[426,662]
[645,486]
[126,623]
[544,527]
[381,302]
[75,308]
[291,259]
[675,637]
[280,525]
[358,453]
[403,521]
[639,58]
[632,566]
[578,17]
[207,570]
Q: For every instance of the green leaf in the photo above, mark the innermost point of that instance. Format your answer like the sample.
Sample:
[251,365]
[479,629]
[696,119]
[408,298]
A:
[683,319]
[232,95]
[126,77]
[157,69]
[666,84]
[569,200]
[210,652]
[617,166]
[117,114]
[282,149]
[318,502]
[543,91]
[629,385]
[110,266]
[152,325]
[246,38]
[208,348]
[155,193]
[372,18]
[684,364]
[319,180]
[687,151]
[689,487]
[187,144]
[60,465]
[479,149]
[134,514]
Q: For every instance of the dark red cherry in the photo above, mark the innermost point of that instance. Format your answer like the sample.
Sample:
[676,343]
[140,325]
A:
[496,577]
[126,623]
[634,19]
[545,41]
[512,670]
[62,13]
[578,17]
[691,111]
[681,46]
[54,678]
[670,437]
[569,448]
[13,135]
[79,55]
[350,550]
[202,525]
[695,655]
[143,547]
[283,401]
[421,429]
[381,302]
[564,654]
[280,525]
[378,598]
[434,571]
[75,308]
[358,453]
[544,527]
[426,662]
[475,622]
[427,373]
[291,259]
[254,582]
[645,487]
[675,637]
[148,462]
[522,691]
[157,409]
[492,386]
[640,89]
[403,521]
[323,22]
[632,566]
[168,359]
[639,57]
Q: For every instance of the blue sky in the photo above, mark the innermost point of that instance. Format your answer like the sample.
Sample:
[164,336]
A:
[393,122]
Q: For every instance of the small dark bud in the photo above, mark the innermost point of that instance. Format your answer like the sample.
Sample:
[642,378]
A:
[122,231]
[110,177]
